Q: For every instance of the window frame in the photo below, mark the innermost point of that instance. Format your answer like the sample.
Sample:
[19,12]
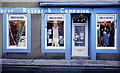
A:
[64,19]
[115,40]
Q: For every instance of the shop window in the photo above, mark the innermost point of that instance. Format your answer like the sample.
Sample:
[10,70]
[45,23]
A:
[55,28]
[17,31]
[106,31]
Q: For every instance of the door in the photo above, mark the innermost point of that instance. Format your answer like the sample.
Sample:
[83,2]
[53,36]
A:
[80,39]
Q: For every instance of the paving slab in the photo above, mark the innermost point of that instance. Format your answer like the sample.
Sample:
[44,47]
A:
[49,62]
[89,63]
[113,63]
[16,61]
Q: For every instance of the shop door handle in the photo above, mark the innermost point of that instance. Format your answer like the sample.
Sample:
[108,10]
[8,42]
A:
[73,39]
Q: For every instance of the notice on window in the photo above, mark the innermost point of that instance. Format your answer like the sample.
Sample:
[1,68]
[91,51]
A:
[81,35]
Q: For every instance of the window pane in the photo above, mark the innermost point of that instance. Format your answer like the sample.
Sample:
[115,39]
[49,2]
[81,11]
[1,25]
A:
[55,33]
[106,31]
[79,35]
[17,31]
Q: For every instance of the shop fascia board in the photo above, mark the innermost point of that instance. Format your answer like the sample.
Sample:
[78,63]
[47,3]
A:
[44,4]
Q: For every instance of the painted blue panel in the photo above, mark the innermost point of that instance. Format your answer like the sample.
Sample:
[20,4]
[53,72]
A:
[93,36]
[106,51]
[4,32]
[68,36]
[79,4]
[28,50]
[118,31]
[29,32]
[42,32]
[105,10]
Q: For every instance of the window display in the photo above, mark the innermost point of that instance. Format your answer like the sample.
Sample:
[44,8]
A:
[80,32]
[17,35]
[106,30]
[55,31]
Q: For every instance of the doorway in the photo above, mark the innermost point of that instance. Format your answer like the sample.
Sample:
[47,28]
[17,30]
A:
[79,35]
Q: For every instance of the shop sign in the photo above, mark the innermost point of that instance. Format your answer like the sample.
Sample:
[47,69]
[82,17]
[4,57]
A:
[16,17]
[55,18]
[63,10]
[44,10]
[6,10]
[104,18]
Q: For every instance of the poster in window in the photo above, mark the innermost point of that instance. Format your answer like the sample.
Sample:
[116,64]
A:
[17,35]
[55,31]
[106,30]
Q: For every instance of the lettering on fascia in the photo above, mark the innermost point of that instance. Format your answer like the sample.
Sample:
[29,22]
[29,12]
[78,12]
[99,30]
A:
[63,10]
[25,10]
[6,10]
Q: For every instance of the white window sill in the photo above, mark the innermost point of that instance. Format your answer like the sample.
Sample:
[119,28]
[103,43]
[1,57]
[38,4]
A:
[105,47]
[54,47]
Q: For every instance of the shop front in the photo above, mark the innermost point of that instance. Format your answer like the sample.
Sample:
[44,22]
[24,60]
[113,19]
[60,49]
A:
[78,32]
[87,31]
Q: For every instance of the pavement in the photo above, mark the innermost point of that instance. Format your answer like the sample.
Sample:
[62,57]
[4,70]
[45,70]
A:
[60,63]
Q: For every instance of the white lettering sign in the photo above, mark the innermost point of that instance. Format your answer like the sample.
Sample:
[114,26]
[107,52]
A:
[49,10]
[63,10]
[25,10]
[6,10]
